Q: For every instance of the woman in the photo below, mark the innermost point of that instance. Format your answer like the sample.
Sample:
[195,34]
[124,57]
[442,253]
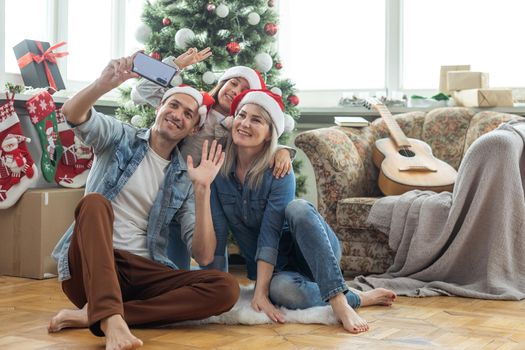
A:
[289,249]
[234,81]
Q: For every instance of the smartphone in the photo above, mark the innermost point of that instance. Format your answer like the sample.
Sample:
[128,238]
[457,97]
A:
[153,70]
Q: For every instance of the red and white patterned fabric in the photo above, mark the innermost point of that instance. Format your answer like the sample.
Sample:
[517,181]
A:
[77,158]
[17,169]
[41,110]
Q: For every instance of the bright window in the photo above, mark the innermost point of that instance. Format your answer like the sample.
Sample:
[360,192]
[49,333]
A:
[488,35]
[22,24]
[333,44]
[327,48]
[89,38]
[133,20]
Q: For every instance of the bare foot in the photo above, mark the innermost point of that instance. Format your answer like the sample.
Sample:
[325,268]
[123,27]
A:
[378,296]
[67,318]
[350,319]
[118,335]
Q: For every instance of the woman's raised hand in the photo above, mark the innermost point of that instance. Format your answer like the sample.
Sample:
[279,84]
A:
[210,165]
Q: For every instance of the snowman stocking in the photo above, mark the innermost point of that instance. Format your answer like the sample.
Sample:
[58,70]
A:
[41,109]
[76,160]
[17,170]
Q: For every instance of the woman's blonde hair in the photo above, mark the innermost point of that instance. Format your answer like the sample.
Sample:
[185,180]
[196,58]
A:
[260,163]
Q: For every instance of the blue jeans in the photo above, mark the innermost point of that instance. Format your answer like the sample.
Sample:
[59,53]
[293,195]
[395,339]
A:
[312,275]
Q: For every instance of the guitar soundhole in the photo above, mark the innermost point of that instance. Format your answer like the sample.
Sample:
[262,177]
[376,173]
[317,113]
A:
[406,153]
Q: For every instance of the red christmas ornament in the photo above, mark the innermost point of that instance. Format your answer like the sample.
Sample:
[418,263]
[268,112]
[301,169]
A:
[270,29]
[278,65]
[233,47]
[166,21]
[293,99]
[156,55]
[210,7]
[271,3]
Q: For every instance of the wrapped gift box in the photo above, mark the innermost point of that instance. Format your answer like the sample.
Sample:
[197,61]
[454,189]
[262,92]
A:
[464,80]
[443,85]
[31,228]
[484,98]
[37,63]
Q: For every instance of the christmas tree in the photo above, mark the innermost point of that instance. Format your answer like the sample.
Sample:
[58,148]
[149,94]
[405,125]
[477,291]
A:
[239,32]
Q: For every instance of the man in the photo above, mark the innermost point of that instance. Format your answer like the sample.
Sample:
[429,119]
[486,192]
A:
[141,193]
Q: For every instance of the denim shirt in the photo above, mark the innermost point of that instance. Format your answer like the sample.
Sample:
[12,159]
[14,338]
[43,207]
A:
[119,148]
[255,217]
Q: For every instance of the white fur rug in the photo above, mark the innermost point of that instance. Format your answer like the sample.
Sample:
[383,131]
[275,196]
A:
[243,313]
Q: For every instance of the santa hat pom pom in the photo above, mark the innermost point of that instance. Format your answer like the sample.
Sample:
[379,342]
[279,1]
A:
[203,110]
[289,123]
[277,91]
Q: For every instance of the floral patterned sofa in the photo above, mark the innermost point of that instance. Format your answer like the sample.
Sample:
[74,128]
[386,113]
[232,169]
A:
[347,178]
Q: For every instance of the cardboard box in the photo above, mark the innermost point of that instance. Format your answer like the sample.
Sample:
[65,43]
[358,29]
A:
[443,85]
[34,74]
[463,80]
[484,98]
[31,228]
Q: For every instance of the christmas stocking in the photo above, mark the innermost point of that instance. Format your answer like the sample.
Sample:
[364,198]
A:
[17,170]
[73,168]
[41,109]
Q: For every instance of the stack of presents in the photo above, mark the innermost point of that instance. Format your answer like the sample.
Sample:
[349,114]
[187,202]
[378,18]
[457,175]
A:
[43,167]
[471,89]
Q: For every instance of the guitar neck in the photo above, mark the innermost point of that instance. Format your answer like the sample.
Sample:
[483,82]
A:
[395,131]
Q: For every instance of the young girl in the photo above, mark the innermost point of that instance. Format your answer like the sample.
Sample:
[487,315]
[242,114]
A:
[234,81]
[289,249]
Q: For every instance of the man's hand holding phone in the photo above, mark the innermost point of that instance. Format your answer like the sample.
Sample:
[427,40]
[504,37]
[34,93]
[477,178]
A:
[140,64]
[161,73]
[155,71]
[77,108]
[116,72]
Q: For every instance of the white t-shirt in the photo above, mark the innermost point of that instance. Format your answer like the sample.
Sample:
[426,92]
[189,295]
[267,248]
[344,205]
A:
[133,203]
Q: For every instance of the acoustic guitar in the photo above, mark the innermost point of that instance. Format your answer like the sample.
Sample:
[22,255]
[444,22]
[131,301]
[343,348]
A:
[407,164]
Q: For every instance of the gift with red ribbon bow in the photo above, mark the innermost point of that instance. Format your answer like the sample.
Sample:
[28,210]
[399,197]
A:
[38,63]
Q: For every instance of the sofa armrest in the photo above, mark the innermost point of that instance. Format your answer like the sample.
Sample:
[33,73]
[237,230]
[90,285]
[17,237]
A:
[338,167]
[486,121]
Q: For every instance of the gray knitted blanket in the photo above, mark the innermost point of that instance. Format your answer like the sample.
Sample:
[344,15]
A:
[469,243]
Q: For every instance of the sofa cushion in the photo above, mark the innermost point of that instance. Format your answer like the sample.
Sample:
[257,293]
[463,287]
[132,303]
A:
[445,131]
[353,212]
[340,161]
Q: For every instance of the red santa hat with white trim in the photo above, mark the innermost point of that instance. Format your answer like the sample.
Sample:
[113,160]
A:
[204,101]
[272,103]
[252,76]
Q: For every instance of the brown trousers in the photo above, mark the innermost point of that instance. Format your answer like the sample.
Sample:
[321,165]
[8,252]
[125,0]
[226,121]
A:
[144,292]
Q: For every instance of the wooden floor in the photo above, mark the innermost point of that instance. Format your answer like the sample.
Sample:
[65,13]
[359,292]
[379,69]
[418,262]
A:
[427,323]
